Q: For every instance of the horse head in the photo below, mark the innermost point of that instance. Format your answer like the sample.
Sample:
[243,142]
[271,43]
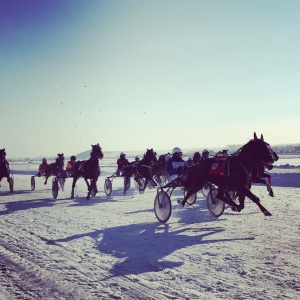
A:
[60,161]
[97,151]
[262,150]
[150,156]
[196,157]
[2,154]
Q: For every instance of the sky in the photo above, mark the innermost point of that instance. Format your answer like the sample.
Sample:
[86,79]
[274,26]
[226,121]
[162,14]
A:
[137,74]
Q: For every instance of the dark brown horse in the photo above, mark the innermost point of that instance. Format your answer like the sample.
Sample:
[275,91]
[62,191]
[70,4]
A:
[4,169]
[159,169]
[236,176]
[88,169]
[144,168]
[56,169]
[258,174]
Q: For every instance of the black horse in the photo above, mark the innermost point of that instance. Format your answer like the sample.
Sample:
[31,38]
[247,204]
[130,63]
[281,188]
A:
[4,169]
[159,169]
[144,168]
[196,157]
[57,169]
[88,169]
[236,176]
[258,173]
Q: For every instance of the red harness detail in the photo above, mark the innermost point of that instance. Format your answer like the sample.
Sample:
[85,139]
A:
[218,168]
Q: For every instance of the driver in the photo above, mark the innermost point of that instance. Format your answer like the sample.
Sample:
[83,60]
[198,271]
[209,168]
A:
[43,167]
[122,162]
[175,164]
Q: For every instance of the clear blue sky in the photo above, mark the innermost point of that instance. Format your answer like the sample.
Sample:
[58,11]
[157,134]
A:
[136,74]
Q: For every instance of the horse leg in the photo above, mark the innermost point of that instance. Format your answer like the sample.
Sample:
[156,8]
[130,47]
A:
[9,182]
[91,187]
[73,186]
[45,182]
[190,191]
[62,183]
[224,196]
[256,200]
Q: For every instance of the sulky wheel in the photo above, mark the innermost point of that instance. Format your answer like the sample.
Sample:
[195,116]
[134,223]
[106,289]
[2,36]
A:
[214,205]
[205,190]
[32,181]
[107,187]
[162,207]
[192,199]
[55,187]
[142,185]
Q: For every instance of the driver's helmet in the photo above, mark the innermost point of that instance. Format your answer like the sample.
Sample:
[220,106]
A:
[122,154]
[177,151]
[73,157]
[137,158]
[44,160]
[205,152]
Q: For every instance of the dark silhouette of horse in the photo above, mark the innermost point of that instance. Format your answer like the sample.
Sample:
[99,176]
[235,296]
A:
[88,169]
[236,175]
[159,169]
[4,168]
[258,173]
[196,157]
[57,169]
[144,168]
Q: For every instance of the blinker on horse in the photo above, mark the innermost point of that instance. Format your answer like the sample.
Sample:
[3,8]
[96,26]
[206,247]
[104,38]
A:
[237,174]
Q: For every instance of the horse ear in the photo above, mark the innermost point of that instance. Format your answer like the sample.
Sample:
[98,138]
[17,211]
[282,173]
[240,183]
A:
[255,137]
[261,137]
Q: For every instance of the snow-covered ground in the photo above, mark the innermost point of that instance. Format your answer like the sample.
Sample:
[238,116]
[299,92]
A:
[114,247]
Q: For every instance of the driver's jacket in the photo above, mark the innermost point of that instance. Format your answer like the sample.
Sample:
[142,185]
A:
[174,164]
[43,168]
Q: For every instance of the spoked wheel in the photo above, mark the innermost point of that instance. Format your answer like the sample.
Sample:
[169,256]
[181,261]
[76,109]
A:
[32,183]
[11,183]
[205,190]
[54,187]
[162,207]
[192,199]
[142,185]
[107,187]
[214,205]
[126,184]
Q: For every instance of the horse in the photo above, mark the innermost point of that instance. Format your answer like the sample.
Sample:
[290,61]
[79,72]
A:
[144,168]
[159,169]
[4,168]
[88,169]
[56,169]
[196,157]
[235,176]
[258,173]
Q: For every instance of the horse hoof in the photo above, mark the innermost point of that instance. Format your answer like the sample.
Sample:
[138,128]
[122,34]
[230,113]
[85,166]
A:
[233,208]
[267,213]
[271,194]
